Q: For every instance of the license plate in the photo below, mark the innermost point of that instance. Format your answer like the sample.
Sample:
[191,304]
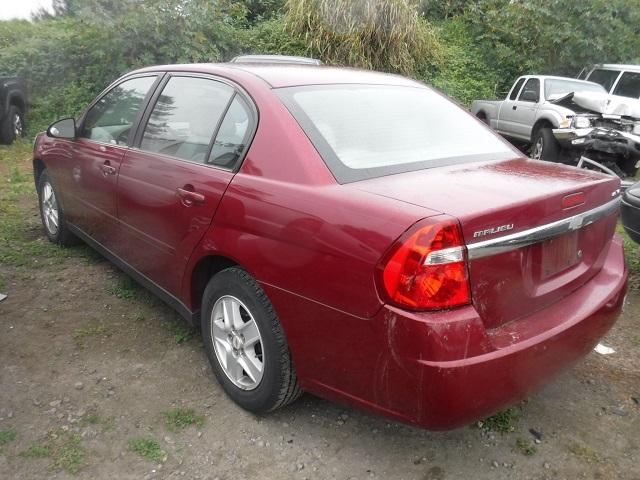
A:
[560,253]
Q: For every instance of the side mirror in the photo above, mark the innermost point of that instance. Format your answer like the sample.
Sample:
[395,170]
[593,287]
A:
[529,96]
[65,128]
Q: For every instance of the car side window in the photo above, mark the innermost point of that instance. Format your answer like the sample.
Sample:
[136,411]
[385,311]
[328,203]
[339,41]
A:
[231,138]
[516,89]
[110,119]
[185,117]
[606,78]
[531,91]
[628,85]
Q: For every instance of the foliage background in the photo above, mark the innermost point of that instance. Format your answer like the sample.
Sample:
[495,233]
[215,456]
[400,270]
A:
[469,49]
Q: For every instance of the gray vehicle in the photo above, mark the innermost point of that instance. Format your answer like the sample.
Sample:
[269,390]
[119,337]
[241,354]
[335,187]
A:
[617,79]
[564,119]
[13,107]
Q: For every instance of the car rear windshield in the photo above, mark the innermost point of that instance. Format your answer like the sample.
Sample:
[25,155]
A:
[367,131]
[558,87]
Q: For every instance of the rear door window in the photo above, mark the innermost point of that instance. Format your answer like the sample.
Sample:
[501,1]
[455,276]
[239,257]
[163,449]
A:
[606,78]
[185,117]
[516,89]
[232,137]
[628,85]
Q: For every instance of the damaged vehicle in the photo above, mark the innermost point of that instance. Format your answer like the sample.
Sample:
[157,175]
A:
[564,120]
[348,233]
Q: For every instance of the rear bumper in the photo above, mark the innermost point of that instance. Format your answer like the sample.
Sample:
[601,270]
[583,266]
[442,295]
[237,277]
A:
[522,354]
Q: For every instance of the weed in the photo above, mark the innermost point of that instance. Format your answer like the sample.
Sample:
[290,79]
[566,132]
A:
[3,284]
[525,447]
[148,448]
[36,451]
[124,288]
[65,451]
[94,331]
[90,419]
[585,452]
[7,436]
[137,316]
[181,418]
[181,332]
[636,340]
[69,454]
[501,422]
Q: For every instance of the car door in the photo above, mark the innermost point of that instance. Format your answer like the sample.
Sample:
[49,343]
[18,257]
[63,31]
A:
[170,185]
[102,139]
[503,123]
[517,118]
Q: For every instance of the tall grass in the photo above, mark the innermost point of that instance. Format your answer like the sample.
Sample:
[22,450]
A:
[386,35]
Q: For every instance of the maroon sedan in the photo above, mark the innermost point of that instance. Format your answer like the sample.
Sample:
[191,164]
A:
[348,233]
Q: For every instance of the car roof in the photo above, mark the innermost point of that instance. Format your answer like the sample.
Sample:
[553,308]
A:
[554,77]
[290,75]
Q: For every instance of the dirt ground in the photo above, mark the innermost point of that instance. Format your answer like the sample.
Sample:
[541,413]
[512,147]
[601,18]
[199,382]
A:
[99,380]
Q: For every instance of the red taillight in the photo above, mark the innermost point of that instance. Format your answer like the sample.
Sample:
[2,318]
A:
[426,269]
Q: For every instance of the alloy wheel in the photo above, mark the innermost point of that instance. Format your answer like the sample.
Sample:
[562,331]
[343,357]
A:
[18,126]
[537,149]
[237,342]
[50,211]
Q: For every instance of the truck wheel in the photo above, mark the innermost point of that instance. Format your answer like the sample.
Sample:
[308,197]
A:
[545,146]
[483,118]
[628,166]
[12,126]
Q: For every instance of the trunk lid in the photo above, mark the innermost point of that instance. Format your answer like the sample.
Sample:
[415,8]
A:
[497,199]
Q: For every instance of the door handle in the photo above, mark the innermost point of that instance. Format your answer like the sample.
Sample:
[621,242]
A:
[108,169]
[188,196]
[515,107]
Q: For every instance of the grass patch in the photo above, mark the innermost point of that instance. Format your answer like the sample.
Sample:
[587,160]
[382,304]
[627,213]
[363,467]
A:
[7,436]
[181,332]
[90,419]
[93,331]
[3,285]
[585,452]
[501,422]
[181,418]
[525,447]
[65,451]
[137,316]
[125,288]
[632,255]
[636,340]
[148,448]
[36,451]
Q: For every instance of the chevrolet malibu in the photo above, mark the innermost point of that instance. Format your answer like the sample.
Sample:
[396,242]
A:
[351,234]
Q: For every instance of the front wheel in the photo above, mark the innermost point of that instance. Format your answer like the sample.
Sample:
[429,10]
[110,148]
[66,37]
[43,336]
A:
[245,343]
[545,146]
[51,212]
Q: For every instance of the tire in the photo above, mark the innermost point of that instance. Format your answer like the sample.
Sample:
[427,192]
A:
[544,146]
[276,385]
[12,126]
[483,118]
[51,212]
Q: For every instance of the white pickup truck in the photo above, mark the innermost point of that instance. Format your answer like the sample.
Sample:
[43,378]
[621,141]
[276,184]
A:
[563,119]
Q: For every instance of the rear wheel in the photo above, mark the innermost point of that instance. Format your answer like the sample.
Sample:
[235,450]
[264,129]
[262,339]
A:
[245,343]
[52,214]
[545,146]
[12,126]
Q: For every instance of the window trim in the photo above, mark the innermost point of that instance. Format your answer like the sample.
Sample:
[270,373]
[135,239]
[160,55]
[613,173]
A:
[252,128]
[136,122]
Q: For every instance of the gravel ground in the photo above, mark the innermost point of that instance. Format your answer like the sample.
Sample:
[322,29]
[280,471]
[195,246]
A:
[99,380]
